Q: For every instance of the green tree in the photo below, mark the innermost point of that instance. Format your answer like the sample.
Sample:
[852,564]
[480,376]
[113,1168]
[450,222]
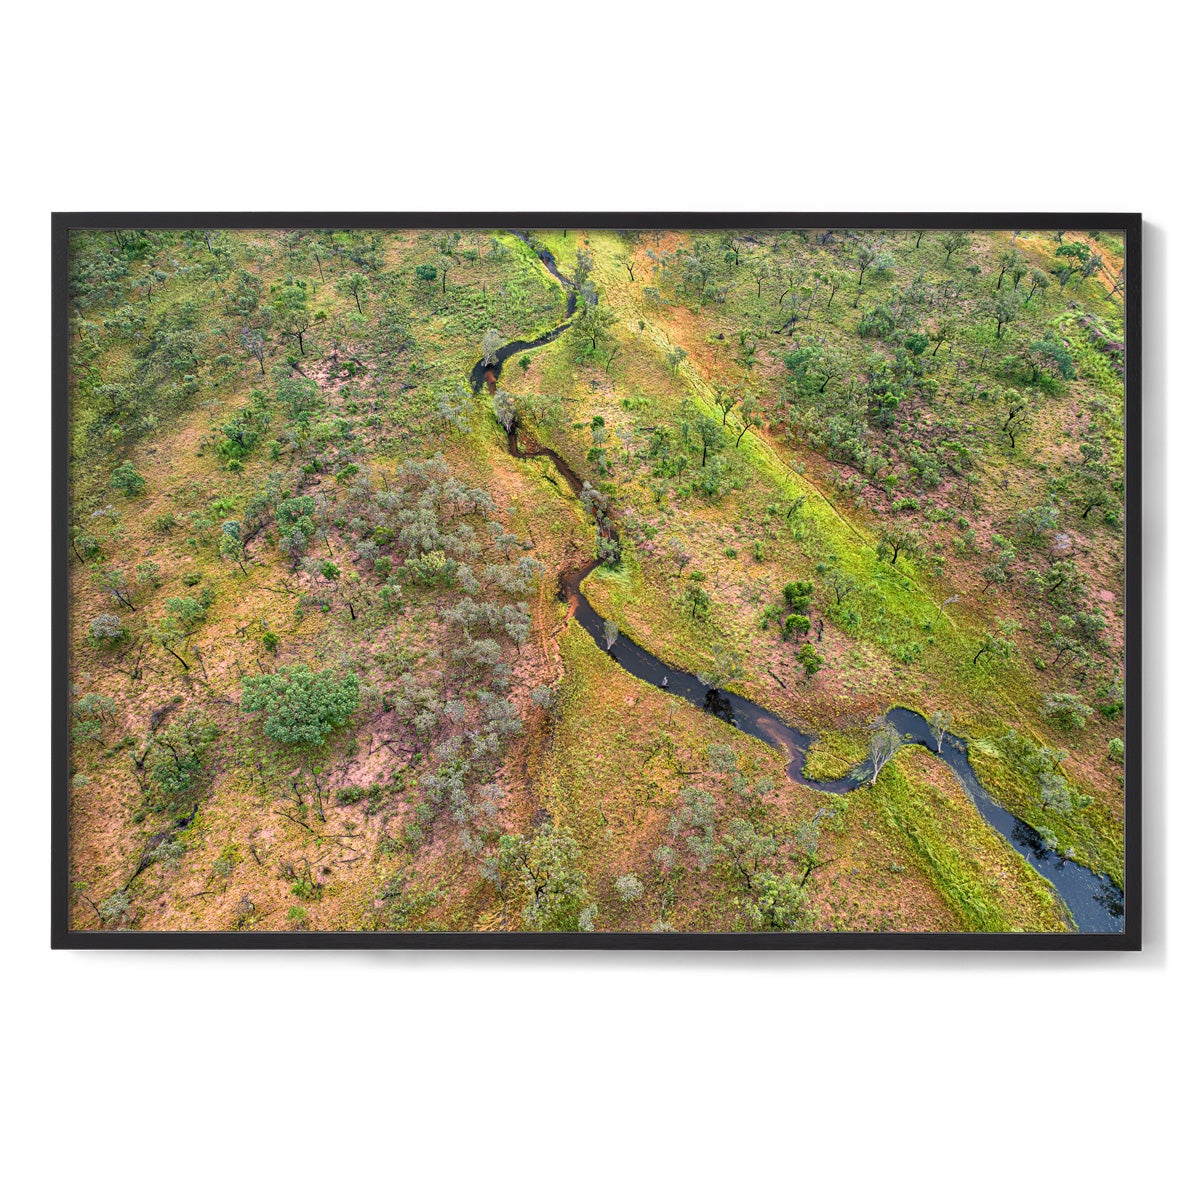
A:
[896,540]
[795,625]
[863,260]
[1095,491]
[1049,353]
[92,712]
[1058,796]
[294,517]
[447,246]
[629,888]
[1018,415]
[106,630]
[583,267]
[127,481]
[679,553]
[505,408]
[746,848]
[779,903]
[760,271]
[1008,260]
[492,342]
[799,594]
[116,584]
[697,597]
[302,706]
[997,646]
[882,748]
[242,433]
[752,417]
[725,399]
[1039,281]
[1076,255]
[946,330]
[809,659]
[954,241]
[173,757]
[939,725]
[170,635]
[711,437]
[841,583]
[544,874]
[724,669]
[594,322]
[999,571]
[232,546]
[354,285]
[1002,308]
[812,367]
[292,317]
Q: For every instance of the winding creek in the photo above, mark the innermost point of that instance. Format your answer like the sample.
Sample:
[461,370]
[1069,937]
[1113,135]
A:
[1095,903]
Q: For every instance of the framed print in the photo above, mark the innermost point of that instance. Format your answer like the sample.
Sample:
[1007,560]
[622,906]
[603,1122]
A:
[597,580]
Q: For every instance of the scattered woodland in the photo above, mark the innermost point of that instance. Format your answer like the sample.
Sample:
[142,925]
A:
[324,677]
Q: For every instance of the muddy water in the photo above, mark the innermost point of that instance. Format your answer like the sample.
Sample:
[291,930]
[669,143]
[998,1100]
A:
[1095,903]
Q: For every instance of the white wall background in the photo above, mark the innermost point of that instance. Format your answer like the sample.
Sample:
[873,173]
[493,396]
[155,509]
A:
[578,1075]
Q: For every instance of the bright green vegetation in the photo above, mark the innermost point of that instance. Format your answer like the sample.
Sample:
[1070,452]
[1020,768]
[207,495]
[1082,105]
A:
[323,678]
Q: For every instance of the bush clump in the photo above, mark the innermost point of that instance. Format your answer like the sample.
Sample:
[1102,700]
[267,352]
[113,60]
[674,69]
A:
[302,706]
[127,481]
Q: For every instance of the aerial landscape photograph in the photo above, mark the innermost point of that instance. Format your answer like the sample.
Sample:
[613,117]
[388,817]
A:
[733,580]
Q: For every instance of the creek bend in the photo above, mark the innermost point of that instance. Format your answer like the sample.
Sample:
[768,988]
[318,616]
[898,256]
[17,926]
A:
[1095,903]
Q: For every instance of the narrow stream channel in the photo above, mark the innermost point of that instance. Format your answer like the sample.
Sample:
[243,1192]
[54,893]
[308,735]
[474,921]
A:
[1095,903]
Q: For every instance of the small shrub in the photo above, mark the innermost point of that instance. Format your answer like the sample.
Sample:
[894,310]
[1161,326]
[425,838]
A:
[796,625]
[1066,710]
[114,909]
[809,659]
[799,595]
[149,575]
[629,888]
[106,630]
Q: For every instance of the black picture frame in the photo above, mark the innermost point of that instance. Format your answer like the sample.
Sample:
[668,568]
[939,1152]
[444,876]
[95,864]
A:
[64,937]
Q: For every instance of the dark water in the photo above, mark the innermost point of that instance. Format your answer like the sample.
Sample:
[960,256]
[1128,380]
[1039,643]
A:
[1095,903]
[507,351]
